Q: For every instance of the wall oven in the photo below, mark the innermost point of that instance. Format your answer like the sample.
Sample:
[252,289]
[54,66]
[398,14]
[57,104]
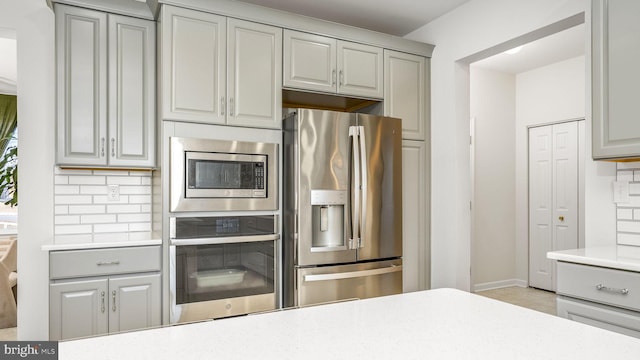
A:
[222,266]
[221,175]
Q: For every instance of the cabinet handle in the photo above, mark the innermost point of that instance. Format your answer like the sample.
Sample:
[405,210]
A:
[113,147]
[341,78]
[102,141]
[113,300]
[112,262]
[333,77]
[222,105]
[601,287]
[231,107]
[102,302]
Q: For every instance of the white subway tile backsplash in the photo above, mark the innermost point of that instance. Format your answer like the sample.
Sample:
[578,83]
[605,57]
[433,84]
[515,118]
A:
[625,214]
[628,165]
[634,189]
[84,214]
[140,227]
[636,175]
[629,239]
[140,199]
[126,209]
[66,219]
[98,219]
[625,175]
[72,229]
[87,209]
[93,189]
[87,180]
[60,209]
[67,189]
[70,199]
[110,228]
[634,201]
[134,218]
[629,226]
[135,190]
[636,214]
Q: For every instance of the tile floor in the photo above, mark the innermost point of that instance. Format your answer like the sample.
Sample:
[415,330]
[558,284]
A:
[540,300]
[8,334]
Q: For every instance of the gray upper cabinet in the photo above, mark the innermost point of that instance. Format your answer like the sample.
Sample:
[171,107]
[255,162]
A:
[220,71]
[406,81]
[106,89]
[615,76]
[320,63]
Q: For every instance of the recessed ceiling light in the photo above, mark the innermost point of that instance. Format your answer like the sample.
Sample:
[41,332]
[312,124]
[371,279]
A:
[514,50]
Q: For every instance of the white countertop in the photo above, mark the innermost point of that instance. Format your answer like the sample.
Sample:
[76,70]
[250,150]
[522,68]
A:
[435,324]
[56,247]
[616,256]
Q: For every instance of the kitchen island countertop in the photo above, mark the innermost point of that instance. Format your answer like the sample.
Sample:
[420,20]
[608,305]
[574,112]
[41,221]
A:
[433,324]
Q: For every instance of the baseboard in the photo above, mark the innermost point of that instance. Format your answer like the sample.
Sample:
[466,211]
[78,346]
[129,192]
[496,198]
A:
[500,284]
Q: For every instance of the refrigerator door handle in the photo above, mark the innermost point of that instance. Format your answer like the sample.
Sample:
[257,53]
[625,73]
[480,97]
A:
[364,170]
[355,204]
[352,274]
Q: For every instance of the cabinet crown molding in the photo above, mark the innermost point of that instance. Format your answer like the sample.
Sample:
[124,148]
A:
[287,20]
[132,8]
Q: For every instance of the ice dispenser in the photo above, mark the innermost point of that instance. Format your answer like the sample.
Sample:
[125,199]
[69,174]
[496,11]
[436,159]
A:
[327,212]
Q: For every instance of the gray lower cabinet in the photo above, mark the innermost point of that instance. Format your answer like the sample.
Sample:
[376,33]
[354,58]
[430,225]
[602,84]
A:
[102,291]
[603,297]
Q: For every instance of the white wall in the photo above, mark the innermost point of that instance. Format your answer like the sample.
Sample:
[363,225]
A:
[470,29]
[34,25]
[493,105]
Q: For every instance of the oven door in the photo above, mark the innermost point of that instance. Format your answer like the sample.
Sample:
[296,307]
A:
[222,277]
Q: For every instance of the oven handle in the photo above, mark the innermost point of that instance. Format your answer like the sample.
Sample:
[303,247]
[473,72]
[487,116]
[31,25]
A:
[224,240]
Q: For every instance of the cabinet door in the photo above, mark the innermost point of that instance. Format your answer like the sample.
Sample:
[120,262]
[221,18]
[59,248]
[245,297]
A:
[254,84]
[360,70]
[415,234]
[131,92]
[81,55]
[616,75]
[309,62]
[193,65]
[406,85]
[78,309]
[134,302]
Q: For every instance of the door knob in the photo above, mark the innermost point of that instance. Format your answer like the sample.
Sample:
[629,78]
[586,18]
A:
[561,218]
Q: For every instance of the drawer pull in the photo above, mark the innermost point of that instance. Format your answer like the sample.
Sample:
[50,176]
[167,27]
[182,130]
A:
[104,263]
[601,287]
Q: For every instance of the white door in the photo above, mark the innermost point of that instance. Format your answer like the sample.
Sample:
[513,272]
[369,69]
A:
[553,198]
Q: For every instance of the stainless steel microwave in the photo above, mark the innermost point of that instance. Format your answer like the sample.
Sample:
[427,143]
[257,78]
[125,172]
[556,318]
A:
[221,175]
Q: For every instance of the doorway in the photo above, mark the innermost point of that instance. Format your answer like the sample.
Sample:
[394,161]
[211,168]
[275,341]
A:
[519,98]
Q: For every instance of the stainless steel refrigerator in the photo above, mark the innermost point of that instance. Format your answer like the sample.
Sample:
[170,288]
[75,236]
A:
[342,207]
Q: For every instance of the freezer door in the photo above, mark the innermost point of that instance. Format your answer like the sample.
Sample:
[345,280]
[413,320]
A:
[343,282]
[323,163]
[381,189]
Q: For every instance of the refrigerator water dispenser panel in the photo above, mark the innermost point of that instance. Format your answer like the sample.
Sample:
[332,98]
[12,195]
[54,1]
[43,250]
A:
[327,212]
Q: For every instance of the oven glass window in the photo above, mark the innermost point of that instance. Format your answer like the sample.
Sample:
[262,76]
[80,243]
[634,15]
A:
[222,271]
[219,174]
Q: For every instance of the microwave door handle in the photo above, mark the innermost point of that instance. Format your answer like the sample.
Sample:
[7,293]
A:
[364,170]
[355,203]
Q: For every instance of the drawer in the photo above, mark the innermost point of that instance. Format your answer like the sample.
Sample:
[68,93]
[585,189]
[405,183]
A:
[95,262]
[622,321]
[608,286]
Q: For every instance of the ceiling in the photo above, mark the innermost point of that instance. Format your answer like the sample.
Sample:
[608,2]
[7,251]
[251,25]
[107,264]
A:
[405,16]
[395,17]
[560,46]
